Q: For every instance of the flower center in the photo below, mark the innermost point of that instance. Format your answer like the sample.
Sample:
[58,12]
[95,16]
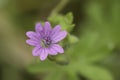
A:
[45,42]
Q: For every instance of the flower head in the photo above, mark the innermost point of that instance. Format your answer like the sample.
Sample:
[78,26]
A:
[45,40]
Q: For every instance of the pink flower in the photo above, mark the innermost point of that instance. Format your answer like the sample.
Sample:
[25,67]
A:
[45,40]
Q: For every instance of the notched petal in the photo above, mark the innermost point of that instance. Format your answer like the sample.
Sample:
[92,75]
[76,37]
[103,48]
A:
[43,54]
[55,30]
[51,51]
[47,26]
[31,42]
[32,35]
[58,48]
[36,51]
[61,35]
[38,27]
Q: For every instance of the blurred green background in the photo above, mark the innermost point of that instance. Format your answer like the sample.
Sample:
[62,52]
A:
[92,47]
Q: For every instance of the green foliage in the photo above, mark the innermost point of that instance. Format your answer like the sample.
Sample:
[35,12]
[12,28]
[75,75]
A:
[72,39]
[64,20]
[105,19]
[90,48]
[37,67]
[54,76]
[95,73]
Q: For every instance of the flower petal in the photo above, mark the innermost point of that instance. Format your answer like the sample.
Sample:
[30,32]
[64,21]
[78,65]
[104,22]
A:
[33,35]
[51,51]
[57,48]
[61,35]
[38,27]
[43,54]
[47,28]
[31,42]
[36,51]
[55,30]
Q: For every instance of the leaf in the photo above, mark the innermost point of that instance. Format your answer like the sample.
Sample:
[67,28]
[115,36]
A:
[54,75]
[95,73]
[64,20]
[72,39]
[71,72]
[72,76]
[45,66]
[69,17]
[90,48]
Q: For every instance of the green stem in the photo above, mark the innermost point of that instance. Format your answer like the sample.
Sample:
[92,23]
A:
[59,7]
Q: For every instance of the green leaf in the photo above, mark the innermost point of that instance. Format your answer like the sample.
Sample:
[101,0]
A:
[56,75]
[62,59]
[72,76]
[72,39]
[90,48]
[95,73]
[69,17]
[64,20]
[40,67]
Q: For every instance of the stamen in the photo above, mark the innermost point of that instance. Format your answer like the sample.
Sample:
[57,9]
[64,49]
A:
[45,42]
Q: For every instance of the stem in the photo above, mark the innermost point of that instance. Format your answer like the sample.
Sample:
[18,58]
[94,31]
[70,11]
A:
[59,7]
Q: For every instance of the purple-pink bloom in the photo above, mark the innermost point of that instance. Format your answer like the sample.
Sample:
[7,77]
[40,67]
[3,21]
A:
[45,40]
